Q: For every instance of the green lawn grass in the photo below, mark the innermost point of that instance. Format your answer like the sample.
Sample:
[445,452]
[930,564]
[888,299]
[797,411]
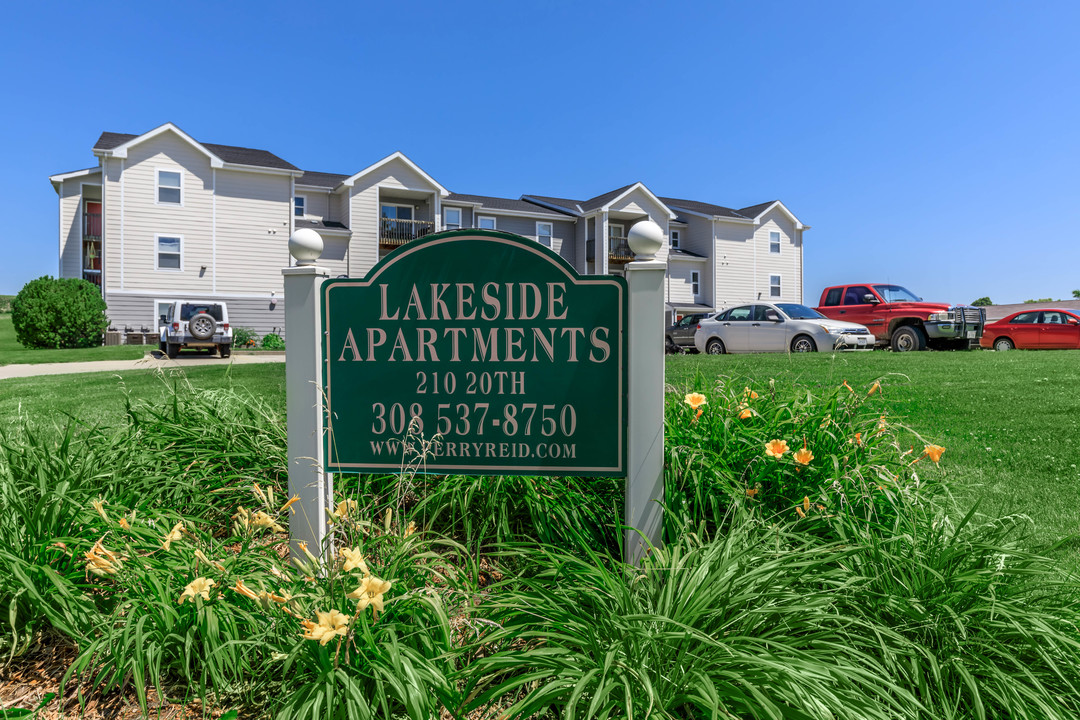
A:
[11,352]
[1010,421]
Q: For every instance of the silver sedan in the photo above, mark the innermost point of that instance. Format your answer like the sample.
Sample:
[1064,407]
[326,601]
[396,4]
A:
[780,327]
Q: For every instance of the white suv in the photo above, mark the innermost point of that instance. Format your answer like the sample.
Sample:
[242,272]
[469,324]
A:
[196,325]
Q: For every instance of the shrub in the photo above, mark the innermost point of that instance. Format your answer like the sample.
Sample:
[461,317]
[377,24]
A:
[243,337]
[59,313]
[272,341]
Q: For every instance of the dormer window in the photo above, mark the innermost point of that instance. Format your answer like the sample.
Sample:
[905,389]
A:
[675,239]
[299,204]
[170,187]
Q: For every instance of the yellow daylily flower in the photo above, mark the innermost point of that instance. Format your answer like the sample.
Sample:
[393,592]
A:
[173,535]
[410,529]
[197,587]
[100,507]
[102,562]
[352,559]
[261,520]
[330,625]
[370,592]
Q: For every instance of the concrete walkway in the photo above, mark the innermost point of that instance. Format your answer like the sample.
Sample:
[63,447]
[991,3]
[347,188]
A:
[150,362]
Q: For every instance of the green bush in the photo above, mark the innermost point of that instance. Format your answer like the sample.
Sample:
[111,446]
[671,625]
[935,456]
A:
[272,341]
[243,337]
[59,313]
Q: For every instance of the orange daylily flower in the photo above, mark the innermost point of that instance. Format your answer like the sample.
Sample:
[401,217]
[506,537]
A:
[850,389]
[934,452]
[695,400]
[876,387]
[746,413]
[776,448]
[858,439]
[804,456]
[750,394]
[751,492]
[294,499]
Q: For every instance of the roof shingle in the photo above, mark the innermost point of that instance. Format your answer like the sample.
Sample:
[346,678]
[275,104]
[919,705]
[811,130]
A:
[497,203]
[228,153]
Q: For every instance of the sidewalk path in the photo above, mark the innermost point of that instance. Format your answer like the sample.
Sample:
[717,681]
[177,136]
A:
[147,363]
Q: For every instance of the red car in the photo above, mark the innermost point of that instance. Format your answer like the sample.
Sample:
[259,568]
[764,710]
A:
[1034,330]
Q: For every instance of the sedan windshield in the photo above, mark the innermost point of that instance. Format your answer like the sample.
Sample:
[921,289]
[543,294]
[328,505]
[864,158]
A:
[799,312]
[896,293]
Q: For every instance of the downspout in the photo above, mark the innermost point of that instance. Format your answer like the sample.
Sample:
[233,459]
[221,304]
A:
[213,229]
[122,224]
[60,223]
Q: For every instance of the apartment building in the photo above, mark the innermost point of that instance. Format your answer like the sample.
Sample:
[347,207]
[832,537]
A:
[163,216]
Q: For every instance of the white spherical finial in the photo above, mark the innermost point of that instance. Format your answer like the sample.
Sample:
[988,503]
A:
[306,246]
[645,239]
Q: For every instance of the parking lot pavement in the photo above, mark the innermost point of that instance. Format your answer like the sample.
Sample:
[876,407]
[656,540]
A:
[150,362]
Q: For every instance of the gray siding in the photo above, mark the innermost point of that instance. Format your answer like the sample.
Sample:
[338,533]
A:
[138,311]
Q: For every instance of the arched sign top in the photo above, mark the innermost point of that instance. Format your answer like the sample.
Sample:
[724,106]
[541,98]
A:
[487,340]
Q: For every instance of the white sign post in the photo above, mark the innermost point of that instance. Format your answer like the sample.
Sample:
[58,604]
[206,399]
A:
[645,442]
[303,401]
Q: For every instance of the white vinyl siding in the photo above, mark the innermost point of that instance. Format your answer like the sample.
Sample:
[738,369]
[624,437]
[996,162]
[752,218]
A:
[680,289]
[252,232]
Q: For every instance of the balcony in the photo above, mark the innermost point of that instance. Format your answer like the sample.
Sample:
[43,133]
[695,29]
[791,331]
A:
[398,232]
[92,225]
[620,251]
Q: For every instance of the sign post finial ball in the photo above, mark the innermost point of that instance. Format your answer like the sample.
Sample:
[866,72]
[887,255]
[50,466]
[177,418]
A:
[645,239]
[306,246]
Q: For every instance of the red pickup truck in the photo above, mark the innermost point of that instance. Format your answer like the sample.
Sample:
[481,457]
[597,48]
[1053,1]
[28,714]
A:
[900,319]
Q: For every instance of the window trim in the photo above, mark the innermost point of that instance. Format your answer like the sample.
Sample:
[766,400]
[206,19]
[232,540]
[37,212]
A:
[695,283]
[158,186]
[157,252]
[779,285]
[550,234]
[459,223]
[676,238]
[303,198]
[494,222]
[779,241]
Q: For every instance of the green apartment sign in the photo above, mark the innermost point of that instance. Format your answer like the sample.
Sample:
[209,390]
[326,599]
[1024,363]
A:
[488,340]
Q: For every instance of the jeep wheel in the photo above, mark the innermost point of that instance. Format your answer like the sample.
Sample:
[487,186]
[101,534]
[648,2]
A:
[802,344]
[202,326]
[715,346]
[1003,344]
[224,350]
[908,338]
[172,349]
[161,346]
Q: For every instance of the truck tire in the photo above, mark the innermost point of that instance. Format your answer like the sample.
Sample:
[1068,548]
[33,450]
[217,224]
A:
[803,344]
[908,338]
[172,350]
[202,326]
[225,350]
[715,346]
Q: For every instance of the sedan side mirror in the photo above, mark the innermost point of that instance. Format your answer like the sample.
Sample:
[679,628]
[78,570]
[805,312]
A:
[1072,321]
[870,298]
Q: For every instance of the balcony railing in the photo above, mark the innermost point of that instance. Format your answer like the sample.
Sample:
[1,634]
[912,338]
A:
[91,276]
[399,232]
[92,225]
[620,251]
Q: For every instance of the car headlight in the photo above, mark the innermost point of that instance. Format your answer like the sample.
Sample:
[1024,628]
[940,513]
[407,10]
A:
[830,330]
[941,317]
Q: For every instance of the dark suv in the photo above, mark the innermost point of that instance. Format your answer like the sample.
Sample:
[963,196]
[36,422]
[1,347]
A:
[680,336]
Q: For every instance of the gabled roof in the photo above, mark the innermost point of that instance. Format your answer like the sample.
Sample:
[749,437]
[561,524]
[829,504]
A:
[61,177]
[321,225]
[571,206]
[755,210]
[321,179]
[487,202]
[704,208]
[389,158]
[601,200]
[117,144]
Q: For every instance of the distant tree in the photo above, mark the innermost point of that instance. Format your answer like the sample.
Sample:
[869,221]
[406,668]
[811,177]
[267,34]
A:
[1076,294]
[982,302]
[1040,300]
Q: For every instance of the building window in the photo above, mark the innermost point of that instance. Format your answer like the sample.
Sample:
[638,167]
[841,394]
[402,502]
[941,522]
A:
[774,243]
[485,222]
[543,233]
[675,239]
[615,236]
[774,286]
[695,283]
[168,253]
[397,212]
[299,206]
[452,218]
[170,187]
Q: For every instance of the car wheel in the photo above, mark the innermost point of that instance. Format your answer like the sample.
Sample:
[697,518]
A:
[908,339]
[172,349]
[202,326]
[802,344]
[1003,344]
[669,346]
[715,346]
[225,350]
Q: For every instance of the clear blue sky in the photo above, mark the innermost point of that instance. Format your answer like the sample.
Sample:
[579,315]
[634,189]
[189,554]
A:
[930,144]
